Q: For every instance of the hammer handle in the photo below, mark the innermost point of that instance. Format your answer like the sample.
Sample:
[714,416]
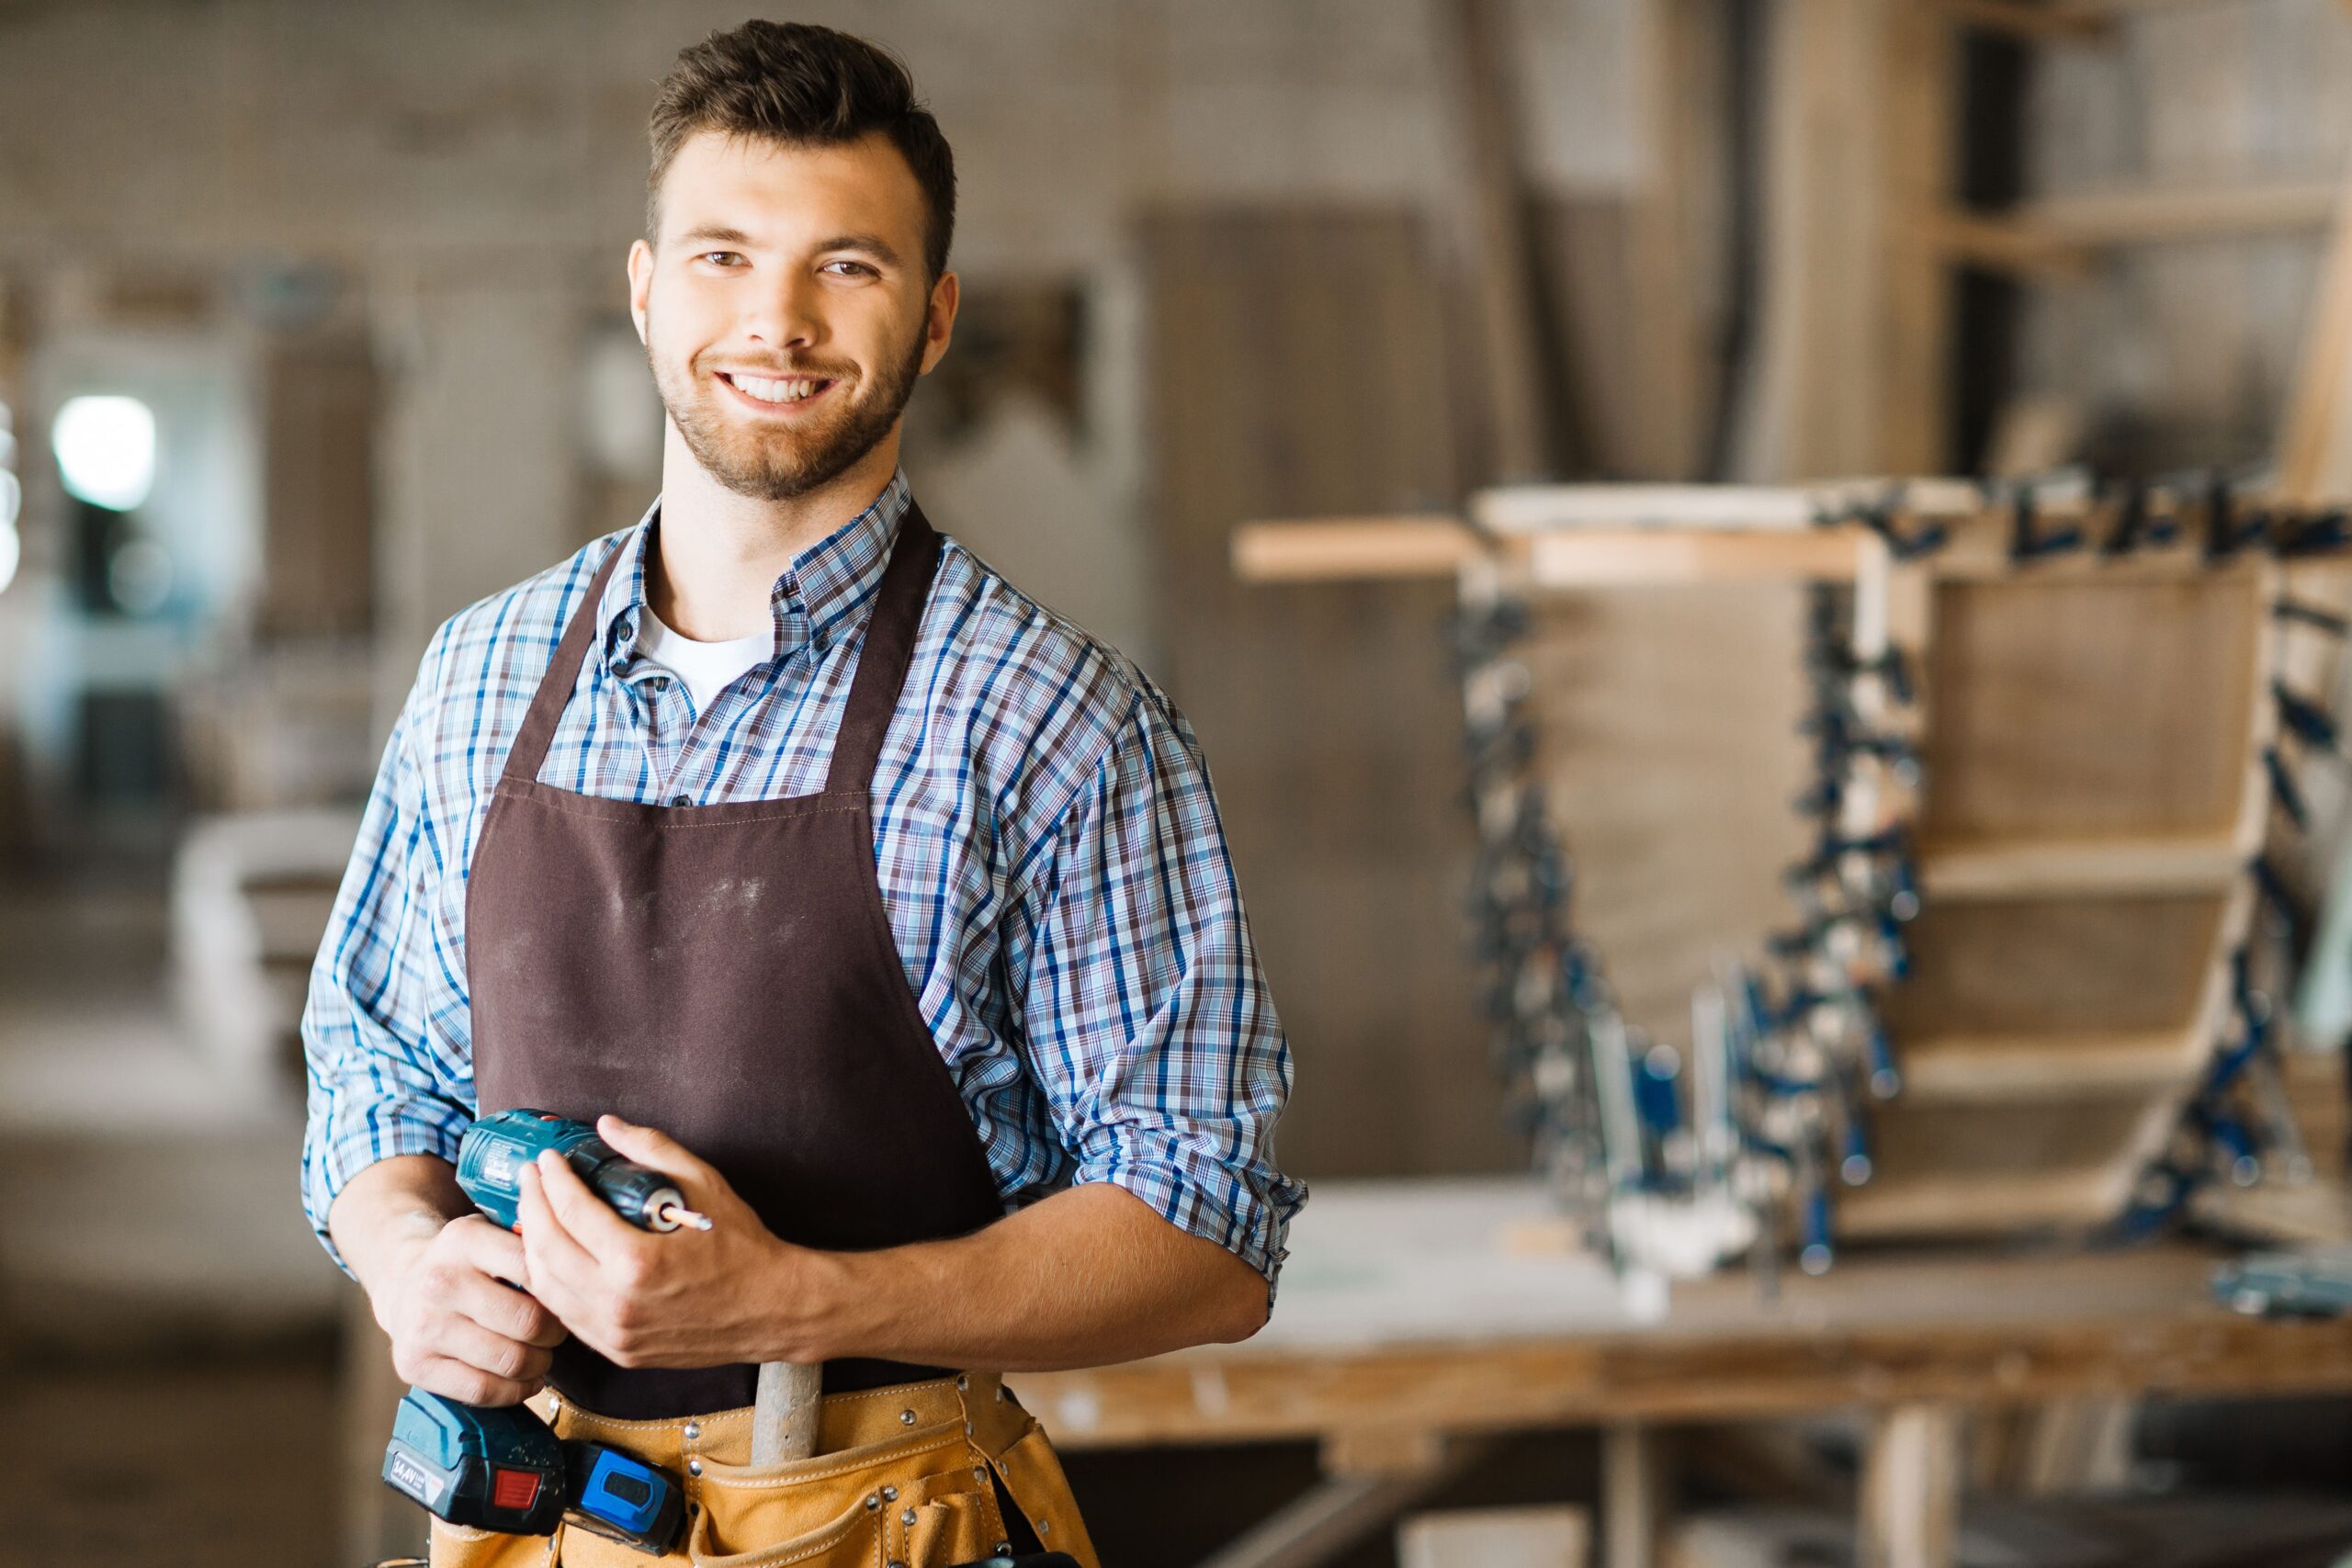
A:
[785,1411]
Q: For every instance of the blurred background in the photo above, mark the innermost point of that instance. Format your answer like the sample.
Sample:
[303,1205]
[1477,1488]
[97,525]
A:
[314,330]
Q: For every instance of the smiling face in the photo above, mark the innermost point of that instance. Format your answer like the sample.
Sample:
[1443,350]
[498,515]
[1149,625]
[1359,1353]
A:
[785,307]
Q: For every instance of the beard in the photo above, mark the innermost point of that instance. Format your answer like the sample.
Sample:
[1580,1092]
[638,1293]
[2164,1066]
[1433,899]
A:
[777,461]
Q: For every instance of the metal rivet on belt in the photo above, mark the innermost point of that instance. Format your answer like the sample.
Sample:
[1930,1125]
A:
[694,1430]
[872,1501]
[979,1473]
[963,1382]
[1004,1549]
[694,1467]
[908,1517]
[1044,1524]
[906,1417]
[890,1494]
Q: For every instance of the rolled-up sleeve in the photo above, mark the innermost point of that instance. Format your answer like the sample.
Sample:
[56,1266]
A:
[380,1083]
[1146,1016]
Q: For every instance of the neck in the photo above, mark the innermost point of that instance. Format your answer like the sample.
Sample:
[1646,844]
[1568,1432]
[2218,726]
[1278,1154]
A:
[721,553]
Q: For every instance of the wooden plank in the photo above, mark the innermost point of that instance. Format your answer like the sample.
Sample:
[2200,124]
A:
[1529,509]
[1529,1384]
[1543,1536]
[1352,549]
[1634,1495]
[2314,455]
[2058,22]
[1619,558]
[1910,1489]
[2046,232]
[2052,866]
[1289,353]
[2083,708]
[1972,1204]
[1964,1068]
[1513,439]
[1667,723]
[2084,964]
[1920,118]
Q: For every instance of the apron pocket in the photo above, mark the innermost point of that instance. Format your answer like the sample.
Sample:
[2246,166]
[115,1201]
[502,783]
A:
[852,1539]
[755,1516]
[461,1546]
[945,1518]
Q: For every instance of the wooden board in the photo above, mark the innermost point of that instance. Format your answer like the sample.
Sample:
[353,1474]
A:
[1405,1309]
[2086,706]
[2052,965]
[1288,357]
[1669,724]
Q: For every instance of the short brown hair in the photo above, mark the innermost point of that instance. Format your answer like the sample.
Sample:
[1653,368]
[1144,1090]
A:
[806,87]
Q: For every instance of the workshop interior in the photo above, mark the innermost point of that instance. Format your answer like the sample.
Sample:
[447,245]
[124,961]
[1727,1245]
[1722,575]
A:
[1765,586]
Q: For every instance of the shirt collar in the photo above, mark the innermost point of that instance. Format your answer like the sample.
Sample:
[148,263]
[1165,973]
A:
[820,597]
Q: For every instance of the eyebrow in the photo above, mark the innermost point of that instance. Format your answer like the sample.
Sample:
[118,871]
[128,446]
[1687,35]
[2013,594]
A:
[874,246]
[723,235]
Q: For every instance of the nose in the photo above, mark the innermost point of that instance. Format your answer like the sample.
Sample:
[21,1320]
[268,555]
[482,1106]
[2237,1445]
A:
[786,316]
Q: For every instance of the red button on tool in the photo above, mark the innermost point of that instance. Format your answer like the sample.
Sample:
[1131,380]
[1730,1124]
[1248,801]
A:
[515,1489]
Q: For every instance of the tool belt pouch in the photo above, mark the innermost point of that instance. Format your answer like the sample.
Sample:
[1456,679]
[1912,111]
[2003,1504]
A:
[902,1476]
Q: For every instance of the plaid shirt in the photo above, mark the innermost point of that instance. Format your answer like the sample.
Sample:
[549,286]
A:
[1048,849]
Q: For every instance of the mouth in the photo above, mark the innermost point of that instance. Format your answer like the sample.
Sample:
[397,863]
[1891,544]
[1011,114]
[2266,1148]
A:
[775,395]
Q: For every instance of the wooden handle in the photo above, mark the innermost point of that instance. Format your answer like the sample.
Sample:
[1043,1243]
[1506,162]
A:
[785,1417]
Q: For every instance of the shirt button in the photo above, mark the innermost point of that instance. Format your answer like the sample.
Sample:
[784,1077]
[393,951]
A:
[682,800]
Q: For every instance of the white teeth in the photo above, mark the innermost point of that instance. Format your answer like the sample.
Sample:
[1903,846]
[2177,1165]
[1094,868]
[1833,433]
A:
[775,391]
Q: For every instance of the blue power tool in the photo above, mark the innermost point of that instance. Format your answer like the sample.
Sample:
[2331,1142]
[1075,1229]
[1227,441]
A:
[503,1468]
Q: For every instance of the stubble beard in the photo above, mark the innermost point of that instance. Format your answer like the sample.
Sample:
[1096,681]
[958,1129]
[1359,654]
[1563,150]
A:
[775,462]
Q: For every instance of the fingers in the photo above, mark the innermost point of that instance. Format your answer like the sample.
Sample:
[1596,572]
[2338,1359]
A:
[588,1218]
[496,1252]
[507,1310]
[463,1340]
[648,1146]
[467,1384]
[554,1256]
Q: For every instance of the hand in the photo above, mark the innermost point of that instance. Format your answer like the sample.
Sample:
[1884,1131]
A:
[684,1298]
[458,1328]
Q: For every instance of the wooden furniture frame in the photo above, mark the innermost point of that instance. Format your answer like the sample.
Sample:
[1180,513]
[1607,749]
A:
[2093,727]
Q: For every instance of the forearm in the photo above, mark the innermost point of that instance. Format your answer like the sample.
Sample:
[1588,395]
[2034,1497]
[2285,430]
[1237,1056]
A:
[388,1214]
[1088,1277]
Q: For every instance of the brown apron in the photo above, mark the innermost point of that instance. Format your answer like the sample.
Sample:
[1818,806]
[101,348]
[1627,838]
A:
[726,974]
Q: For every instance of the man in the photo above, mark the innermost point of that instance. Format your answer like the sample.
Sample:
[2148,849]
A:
[891,910]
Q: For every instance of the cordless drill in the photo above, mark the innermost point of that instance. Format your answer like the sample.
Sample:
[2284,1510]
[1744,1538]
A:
[502,1468]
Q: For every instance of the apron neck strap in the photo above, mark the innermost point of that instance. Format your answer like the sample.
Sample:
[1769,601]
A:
[873,694]
[530,748]
[889,646]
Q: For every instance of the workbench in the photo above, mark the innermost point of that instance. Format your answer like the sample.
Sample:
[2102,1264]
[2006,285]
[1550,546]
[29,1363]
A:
[1417,1318]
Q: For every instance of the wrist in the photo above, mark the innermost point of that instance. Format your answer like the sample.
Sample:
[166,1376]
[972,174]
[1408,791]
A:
[813,1292]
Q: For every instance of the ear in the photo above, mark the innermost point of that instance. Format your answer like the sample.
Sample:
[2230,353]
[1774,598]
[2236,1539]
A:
[940,323]
[640,282]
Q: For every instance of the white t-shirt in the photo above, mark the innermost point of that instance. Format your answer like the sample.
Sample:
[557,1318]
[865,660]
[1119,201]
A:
[707,668]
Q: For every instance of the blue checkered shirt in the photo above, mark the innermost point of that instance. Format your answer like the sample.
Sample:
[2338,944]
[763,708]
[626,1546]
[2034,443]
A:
[1048,851]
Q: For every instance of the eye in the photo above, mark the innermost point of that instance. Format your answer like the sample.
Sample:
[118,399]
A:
[719,258]
[855,267]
